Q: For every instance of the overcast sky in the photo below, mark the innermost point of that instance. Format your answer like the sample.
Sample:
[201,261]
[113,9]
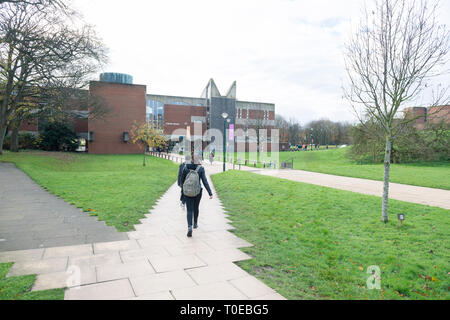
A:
[279,51]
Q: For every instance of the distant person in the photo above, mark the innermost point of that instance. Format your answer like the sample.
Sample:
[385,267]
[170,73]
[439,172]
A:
[211,157]
[187,159]
[192,190]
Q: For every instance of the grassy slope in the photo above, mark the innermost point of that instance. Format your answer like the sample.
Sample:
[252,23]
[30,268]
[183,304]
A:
[19,288]
[117,188]
[433,175]
[314,242]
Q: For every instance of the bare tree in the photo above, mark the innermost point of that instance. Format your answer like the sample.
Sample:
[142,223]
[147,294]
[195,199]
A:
[42,50]
[283,126]
[294,131]
[390,61]
[38,3]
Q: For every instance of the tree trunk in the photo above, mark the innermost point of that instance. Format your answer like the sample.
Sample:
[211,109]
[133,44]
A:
[387,164]
[15,139]
[143,164]
[2,137]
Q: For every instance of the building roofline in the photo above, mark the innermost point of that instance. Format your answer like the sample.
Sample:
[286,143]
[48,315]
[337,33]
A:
[117,83]
[170,96]
[269,103]
[197,98]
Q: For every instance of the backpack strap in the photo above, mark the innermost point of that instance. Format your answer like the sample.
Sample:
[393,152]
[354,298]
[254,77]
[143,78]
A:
[198,168]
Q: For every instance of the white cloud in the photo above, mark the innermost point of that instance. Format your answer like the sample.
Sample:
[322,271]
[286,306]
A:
[285,52]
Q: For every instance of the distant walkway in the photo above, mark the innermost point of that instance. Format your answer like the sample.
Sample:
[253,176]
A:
[421,195]
[31,217]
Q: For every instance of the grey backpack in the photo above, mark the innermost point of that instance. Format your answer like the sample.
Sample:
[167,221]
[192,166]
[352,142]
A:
[191,186]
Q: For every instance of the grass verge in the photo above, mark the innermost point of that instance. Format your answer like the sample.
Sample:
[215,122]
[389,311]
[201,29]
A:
[116,188]
[313,242]
[19,288]
[335,161]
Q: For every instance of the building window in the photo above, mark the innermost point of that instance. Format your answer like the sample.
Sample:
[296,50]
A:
[155,113]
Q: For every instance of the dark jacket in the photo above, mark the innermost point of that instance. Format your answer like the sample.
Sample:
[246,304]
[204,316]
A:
[180,171]
[201,173]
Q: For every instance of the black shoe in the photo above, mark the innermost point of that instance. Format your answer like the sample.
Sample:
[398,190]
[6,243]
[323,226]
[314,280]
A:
[189,234]
[195,226]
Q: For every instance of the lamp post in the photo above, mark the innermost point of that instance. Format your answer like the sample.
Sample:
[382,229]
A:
[187,138]
[224,116]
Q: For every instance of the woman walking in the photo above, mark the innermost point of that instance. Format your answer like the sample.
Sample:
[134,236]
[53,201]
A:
[192,190]
[187,159]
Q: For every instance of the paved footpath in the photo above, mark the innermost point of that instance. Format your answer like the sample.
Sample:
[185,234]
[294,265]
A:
[31,217]
[421,195]
[158,261]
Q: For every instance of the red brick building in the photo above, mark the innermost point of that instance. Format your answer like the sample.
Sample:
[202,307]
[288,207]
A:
[198,120]
[126,104]
[422,115]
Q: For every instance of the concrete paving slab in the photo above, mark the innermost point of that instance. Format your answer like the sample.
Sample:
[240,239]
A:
[112,290]
[165,295]
[21,255]
[73,251]
[38,266]
[223,256]
[143,254]
[158,282]
[65,279]
[252,287]
[164,264]
[213,291]
[95,260]
[152,241]
[189,248]
[123,270]
[216,273]
[115,246]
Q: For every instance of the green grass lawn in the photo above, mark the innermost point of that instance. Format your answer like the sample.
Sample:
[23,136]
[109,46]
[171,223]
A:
[116,188]
[19,288]
[314,242]
[335,161]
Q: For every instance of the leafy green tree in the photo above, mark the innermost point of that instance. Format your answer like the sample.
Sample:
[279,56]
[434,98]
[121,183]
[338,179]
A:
[58,136]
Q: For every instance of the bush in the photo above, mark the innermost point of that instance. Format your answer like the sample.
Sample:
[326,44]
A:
[58,136]
[429,144]
[366,147]
[26,141]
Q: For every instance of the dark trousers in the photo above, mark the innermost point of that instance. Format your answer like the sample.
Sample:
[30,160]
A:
[192,204]
[182,197]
